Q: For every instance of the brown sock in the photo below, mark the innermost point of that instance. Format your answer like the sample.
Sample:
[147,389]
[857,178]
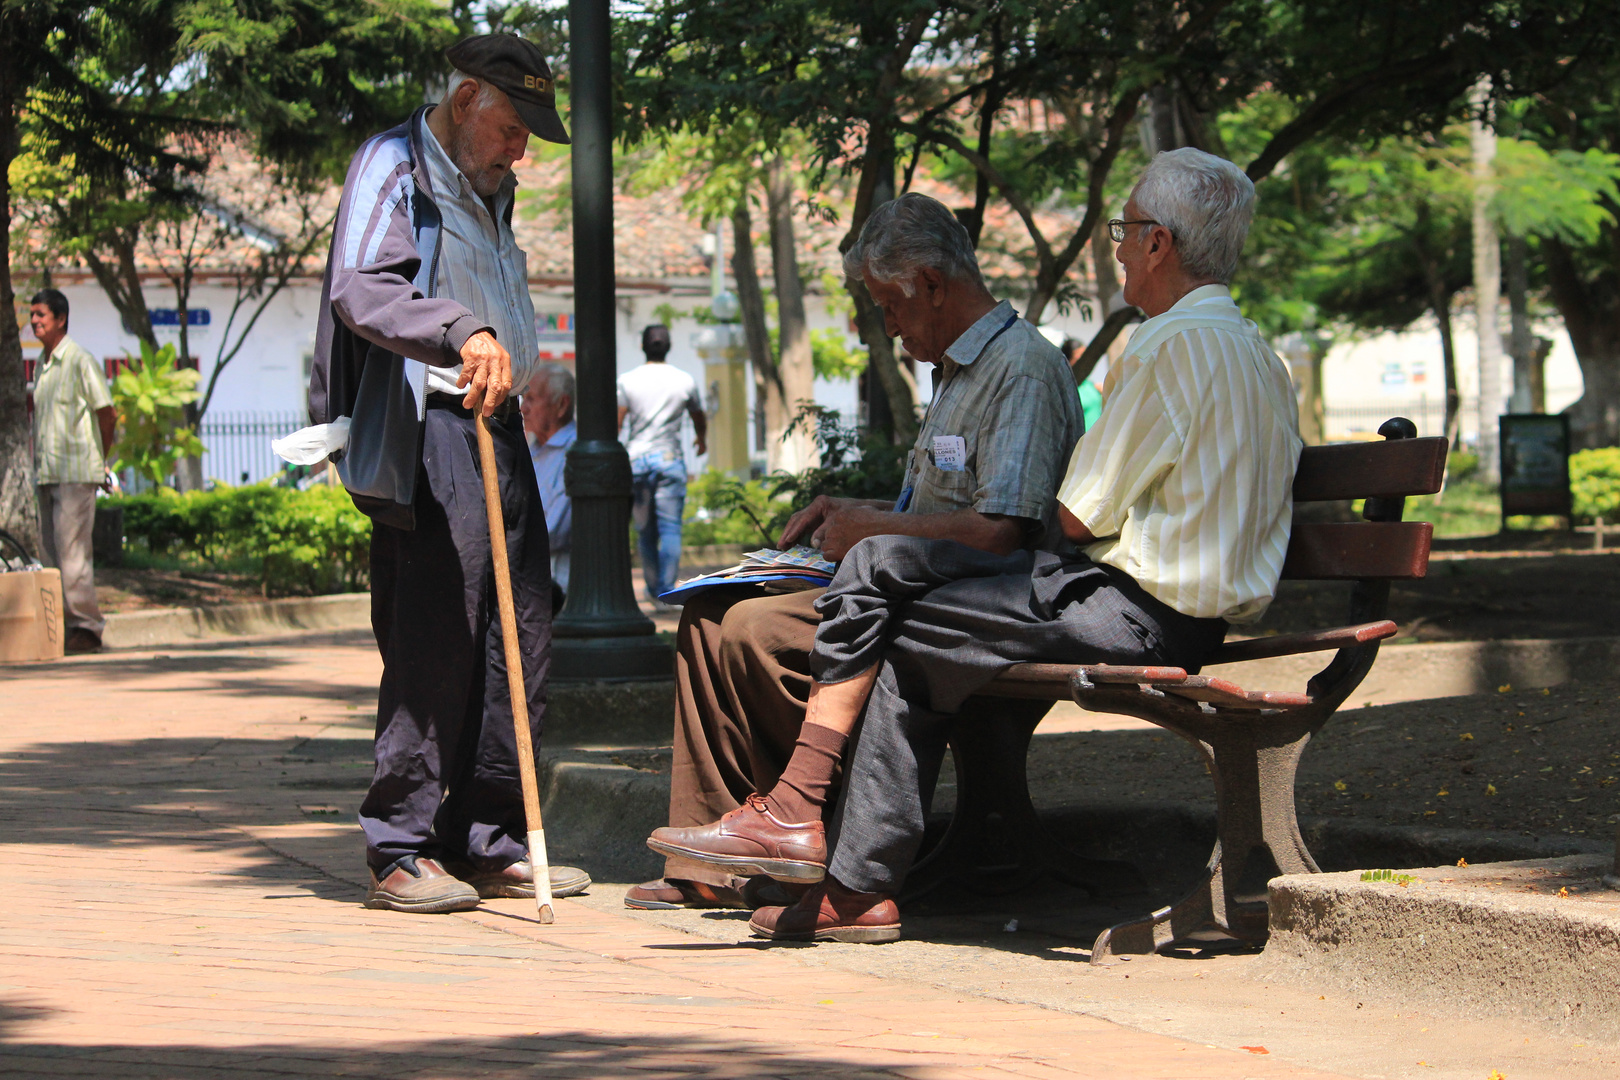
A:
[802,791]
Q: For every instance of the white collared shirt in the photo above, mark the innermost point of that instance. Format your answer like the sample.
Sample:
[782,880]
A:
[481,265]
[1187,479]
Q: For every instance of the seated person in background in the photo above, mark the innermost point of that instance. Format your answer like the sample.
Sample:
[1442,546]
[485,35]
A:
[1181,500]
[1003,418]
[548,421]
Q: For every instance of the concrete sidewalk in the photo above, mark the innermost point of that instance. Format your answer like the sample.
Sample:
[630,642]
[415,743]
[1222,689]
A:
[176,909]
[183,876]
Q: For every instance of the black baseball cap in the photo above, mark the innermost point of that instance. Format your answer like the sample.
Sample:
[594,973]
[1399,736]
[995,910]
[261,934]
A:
[519,70]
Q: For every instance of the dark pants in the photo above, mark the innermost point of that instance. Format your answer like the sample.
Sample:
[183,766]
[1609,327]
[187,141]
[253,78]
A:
[446,782]
[943,620]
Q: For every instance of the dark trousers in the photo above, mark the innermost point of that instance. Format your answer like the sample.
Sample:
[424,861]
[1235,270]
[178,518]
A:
[446,783]
[943,620]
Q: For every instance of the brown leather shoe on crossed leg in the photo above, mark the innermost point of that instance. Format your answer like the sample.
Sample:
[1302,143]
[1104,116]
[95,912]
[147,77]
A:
[751,840]
[830,912]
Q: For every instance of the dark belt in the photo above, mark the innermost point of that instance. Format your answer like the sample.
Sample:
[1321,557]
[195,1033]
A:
[503,412]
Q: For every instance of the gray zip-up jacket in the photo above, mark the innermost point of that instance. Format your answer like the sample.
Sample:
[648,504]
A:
[381,322]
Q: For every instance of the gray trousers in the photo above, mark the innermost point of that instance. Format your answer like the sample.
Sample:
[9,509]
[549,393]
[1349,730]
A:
[67,519]
[943,620]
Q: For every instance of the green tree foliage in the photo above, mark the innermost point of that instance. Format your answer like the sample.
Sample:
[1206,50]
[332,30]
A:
[150,398]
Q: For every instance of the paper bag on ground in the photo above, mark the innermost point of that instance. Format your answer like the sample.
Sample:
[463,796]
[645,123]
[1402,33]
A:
[31,615]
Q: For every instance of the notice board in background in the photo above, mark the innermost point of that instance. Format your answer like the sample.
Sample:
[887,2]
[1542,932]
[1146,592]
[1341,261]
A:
[1535,464]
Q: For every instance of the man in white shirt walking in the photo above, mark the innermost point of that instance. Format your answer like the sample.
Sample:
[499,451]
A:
[652,401]
[548,421]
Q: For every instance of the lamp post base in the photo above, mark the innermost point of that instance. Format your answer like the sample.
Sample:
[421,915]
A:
[638,658]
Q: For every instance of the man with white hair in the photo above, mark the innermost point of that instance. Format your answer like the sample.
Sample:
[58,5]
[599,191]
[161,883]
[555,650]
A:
[1180,500]
[426,322]
[983,472]
[548,421]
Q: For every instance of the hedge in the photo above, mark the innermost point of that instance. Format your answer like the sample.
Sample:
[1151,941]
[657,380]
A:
[1594,481]
[303,542]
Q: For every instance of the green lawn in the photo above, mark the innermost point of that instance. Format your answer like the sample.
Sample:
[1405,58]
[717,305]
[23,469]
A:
[1471,507]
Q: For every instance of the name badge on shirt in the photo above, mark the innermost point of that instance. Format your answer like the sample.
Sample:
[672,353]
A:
[950,453]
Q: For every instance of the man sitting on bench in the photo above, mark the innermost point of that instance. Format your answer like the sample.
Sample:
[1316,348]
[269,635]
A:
[1180,499]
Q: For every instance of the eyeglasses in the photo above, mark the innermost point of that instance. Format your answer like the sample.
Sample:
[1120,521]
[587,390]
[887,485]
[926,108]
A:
[1116,228]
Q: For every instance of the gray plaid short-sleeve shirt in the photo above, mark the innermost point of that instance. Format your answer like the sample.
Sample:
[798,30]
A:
[1008,394]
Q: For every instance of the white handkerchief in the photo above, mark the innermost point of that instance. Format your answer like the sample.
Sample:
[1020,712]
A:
[950,453]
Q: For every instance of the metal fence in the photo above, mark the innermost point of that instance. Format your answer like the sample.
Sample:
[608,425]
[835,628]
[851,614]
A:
[1360,419]
[236,448]
[237,445]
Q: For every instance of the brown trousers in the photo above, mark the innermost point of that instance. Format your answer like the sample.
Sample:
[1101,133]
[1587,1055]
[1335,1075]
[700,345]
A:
[742,677]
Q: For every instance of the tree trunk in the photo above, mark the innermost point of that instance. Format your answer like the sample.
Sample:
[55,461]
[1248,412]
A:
[1440,304]
[1521,341]
[1487,288]
[121,281]
[772,413]
[188,471]
[797,365]
[1591,312]
[19,510]
[1102,262]
[876,188]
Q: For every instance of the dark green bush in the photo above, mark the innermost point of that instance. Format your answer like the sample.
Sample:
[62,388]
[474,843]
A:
[302,542]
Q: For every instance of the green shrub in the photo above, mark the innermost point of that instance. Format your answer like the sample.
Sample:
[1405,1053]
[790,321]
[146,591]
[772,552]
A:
[1594,481]
[150,398]
[1460,465]
[723,510]
[302,542]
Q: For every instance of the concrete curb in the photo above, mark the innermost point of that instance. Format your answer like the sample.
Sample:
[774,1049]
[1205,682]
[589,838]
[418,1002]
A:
[1402,673]
[1479,940]
[179,626]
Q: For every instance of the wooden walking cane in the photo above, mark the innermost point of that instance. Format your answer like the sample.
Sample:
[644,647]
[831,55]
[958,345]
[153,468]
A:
[514,674]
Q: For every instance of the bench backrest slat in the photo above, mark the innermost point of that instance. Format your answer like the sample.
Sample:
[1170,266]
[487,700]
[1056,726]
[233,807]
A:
[1321,551]
[1371,469]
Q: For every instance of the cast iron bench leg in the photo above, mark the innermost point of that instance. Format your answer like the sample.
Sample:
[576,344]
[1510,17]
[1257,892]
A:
[996,843]
[1253,760]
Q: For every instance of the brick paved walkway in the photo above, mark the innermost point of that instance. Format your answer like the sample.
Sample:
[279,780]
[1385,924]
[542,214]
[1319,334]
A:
[181,881]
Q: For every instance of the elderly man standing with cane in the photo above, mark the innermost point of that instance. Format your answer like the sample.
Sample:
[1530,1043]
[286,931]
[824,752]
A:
[426,324]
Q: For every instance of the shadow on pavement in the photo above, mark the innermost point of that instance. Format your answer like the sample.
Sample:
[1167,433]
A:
[562,1054]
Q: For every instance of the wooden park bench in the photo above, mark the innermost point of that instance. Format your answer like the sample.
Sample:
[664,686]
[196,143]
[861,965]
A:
[1250,739]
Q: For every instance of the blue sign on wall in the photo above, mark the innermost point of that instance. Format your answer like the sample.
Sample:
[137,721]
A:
[171,316]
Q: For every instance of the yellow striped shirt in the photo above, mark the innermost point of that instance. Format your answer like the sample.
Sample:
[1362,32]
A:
[1187,478]
[68,390]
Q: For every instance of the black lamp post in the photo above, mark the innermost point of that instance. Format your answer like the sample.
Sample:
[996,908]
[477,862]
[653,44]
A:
[600,633]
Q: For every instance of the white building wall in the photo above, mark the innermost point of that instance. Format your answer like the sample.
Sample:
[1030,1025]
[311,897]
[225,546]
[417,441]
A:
[1363,380]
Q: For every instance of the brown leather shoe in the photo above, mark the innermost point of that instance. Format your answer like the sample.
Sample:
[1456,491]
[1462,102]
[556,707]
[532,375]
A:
[517,880]
[669,895]
[80,640]
[421,886]
[830,912]
[751,840]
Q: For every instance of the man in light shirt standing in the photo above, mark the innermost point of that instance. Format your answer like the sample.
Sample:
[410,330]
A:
[424,268]
[74,424]
[1180,500]
[548,421]
[653,399]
